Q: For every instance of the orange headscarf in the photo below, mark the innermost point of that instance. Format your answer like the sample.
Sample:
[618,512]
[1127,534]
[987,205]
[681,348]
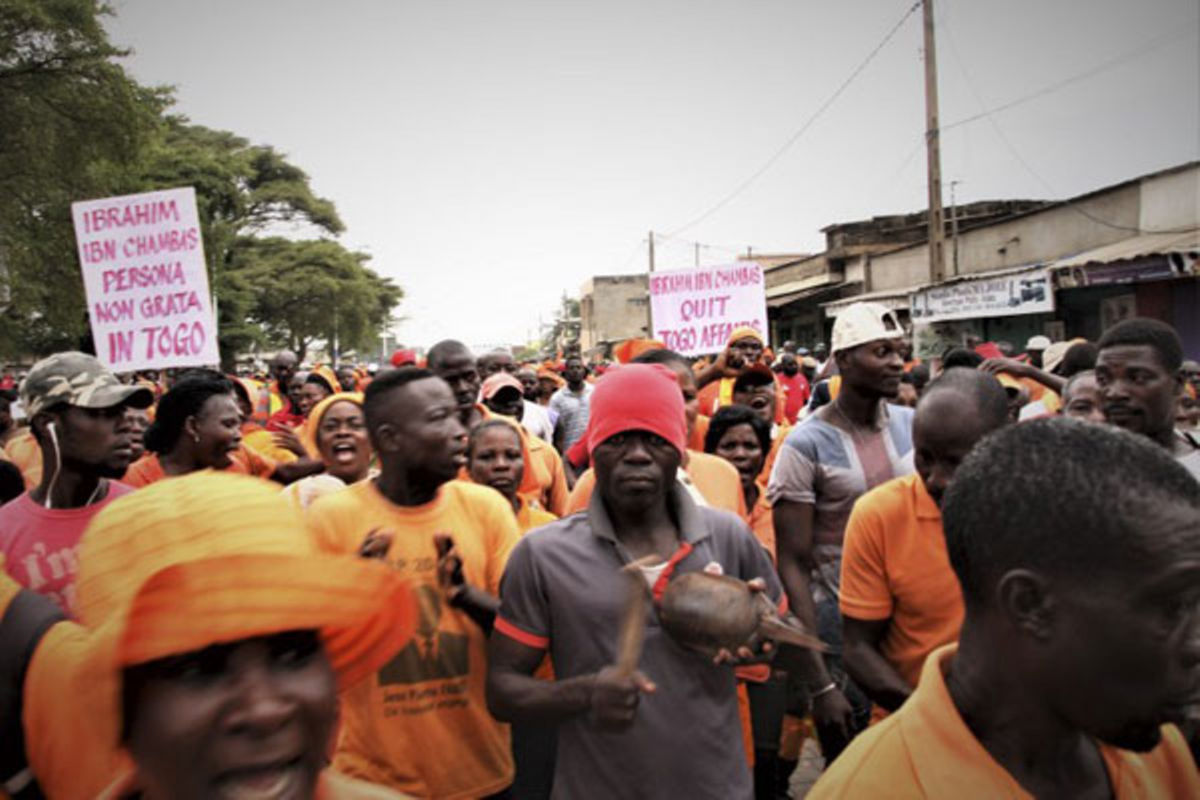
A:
[630,349]
[745,332]
[327,375]
[309,434]
[160,574]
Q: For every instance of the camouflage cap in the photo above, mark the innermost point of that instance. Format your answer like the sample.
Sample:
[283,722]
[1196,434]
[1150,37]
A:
[77,379]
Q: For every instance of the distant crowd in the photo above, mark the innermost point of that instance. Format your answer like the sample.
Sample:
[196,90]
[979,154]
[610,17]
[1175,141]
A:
[466,575]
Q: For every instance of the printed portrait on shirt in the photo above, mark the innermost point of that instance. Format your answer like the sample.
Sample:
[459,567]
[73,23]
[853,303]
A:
[432,654]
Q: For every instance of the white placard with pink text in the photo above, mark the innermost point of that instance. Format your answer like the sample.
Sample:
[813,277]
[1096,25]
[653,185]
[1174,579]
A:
[145,279]
[693,311]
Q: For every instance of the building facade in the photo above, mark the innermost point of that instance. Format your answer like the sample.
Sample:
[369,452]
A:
[612,308]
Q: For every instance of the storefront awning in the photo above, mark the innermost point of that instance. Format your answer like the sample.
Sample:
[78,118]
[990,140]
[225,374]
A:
[1145,244]
[804,284]
[1145,257]
[803,294]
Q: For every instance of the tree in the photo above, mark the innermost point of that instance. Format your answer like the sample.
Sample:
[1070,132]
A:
[312,290]
[73,125]
[241,190]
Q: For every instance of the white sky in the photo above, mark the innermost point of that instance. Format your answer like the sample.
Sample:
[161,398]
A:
[491,154]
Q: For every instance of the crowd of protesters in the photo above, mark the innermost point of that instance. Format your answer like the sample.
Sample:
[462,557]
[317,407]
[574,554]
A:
[451,577]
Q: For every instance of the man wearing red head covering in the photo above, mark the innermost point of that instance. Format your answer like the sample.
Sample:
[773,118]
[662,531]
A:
[639,513]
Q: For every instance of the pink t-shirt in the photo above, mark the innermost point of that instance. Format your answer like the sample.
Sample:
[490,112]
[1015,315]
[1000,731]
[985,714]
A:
[39,543]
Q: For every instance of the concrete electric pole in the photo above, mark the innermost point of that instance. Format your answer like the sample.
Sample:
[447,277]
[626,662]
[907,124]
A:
[937,231]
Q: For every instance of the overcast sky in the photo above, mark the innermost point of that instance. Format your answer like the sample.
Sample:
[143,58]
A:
[492,154]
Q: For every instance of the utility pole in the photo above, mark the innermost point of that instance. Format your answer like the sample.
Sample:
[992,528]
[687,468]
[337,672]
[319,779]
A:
[937,232]
[954,225]
[697,244]
[649,308]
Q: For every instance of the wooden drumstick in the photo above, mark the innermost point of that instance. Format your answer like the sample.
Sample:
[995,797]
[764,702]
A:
[633,618]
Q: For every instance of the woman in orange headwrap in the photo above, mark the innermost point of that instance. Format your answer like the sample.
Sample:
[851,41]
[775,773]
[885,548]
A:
[336,433]
[496,458]
[186,617]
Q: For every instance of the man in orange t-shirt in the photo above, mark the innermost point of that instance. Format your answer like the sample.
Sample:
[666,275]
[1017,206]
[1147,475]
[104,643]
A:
[1080,648]
[900,599]
[421,724]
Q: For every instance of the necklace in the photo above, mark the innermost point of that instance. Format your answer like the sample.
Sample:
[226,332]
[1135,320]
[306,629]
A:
[852,427]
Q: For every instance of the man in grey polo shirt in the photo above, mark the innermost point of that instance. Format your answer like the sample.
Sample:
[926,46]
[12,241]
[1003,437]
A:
[671,729]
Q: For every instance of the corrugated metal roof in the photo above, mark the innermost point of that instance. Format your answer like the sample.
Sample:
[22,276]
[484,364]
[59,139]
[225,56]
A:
[1145,244]
[812,282]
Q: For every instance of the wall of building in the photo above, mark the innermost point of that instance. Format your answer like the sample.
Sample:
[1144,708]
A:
[1030,239]
[1171,201]
[794,271]
[613,308]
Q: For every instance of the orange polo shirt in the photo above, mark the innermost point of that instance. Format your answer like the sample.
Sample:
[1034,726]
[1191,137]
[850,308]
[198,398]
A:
[715,478]
[895,567]
[926,750]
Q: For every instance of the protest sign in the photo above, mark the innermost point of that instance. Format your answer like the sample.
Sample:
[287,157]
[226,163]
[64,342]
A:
[693,311]
[145,280]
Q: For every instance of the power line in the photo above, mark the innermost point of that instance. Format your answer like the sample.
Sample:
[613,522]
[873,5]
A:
[1076,78]
[1142,50]
[804,128]
[1021,159]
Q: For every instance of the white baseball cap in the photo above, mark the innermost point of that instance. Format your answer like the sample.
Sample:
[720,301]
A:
[860,323]
[1037,343]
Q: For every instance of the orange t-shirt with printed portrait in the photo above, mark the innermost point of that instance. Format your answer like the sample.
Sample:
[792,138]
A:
[421,724]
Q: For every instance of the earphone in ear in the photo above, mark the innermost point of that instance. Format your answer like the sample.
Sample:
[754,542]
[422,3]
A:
[57,461]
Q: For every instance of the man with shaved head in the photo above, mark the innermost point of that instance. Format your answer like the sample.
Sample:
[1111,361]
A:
[453,362]
[1077,548]
[498,360]
[900,599]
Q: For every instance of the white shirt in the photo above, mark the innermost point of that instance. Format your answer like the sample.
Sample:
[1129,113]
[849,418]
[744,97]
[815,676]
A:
[536,420]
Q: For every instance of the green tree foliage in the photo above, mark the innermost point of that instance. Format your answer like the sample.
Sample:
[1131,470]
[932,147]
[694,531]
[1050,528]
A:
[73,125]
[241,190]
[314,289]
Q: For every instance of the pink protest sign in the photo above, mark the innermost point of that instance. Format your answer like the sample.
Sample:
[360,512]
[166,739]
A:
[693,311]
[146,284]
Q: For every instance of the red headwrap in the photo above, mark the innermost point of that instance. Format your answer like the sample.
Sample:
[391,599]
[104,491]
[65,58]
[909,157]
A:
[637,397]
[402,357]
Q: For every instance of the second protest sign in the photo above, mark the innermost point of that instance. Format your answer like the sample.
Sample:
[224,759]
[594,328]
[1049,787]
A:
[693,311]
